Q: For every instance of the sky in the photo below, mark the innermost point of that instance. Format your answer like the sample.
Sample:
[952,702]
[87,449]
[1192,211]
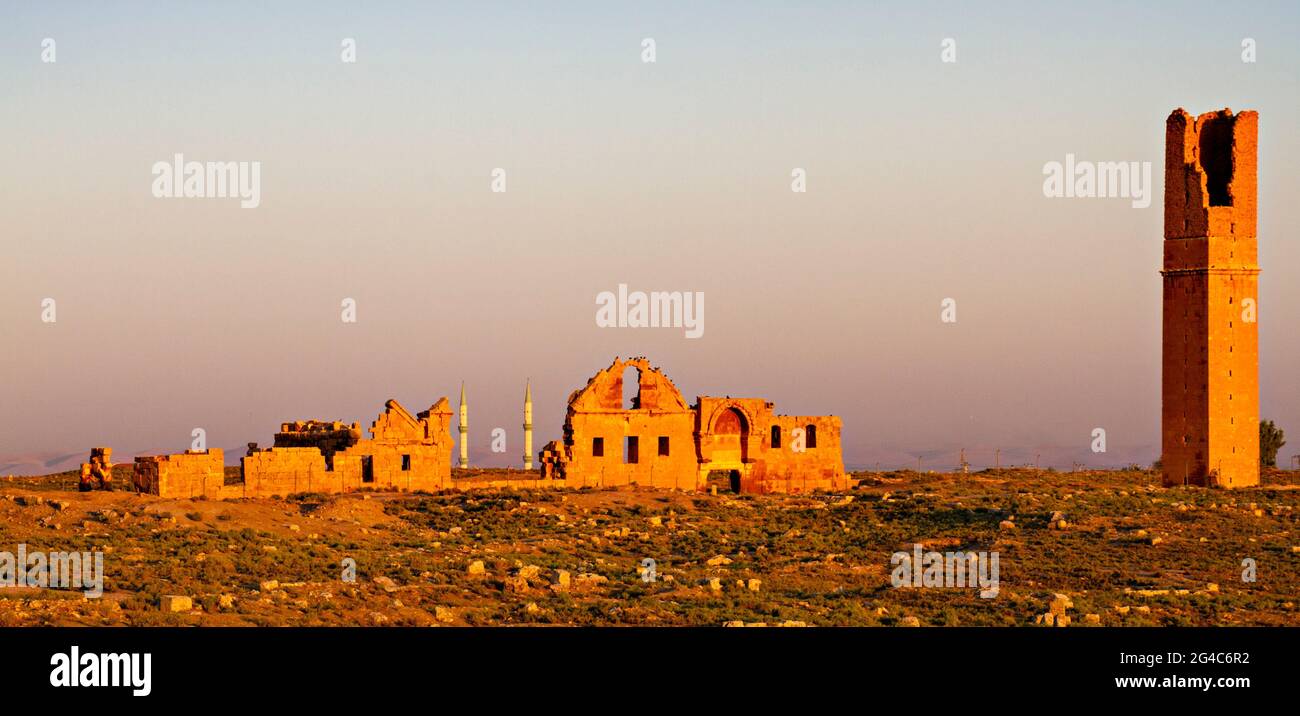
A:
[924,181]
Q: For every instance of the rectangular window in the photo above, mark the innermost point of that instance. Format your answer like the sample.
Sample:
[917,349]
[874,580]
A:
[663,446]
[631,448]
[406,462]
[598,447]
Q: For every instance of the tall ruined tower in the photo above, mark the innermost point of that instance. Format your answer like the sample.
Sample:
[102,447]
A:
[464,429]
[528,425]
[1210,377]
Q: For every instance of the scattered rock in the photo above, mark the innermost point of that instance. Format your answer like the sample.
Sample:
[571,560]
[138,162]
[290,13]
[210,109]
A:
[476,567]
[719,561]
[909,622]
[176,603]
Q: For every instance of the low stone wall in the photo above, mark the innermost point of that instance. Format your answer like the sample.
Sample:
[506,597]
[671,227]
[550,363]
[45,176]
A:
[189,474]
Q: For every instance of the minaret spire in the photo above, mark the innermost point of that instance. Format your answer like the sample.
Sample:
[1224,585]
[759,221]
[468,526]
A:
[464,428]
[528,425]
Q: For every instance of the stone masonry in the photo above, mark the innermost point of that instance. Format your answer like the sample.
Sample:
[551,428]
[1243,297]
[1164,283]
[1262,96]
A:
[1210,377]
[660,441]
[405,452]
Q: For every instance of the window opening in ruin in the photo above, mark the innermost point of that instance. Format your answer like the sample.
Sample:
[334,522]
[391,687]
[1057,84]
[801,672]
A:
[632,388]
[367,468]
[810,436]
[631,450]
[406,462]
[598,447]
[776,437]
[1216,159]
[663,446]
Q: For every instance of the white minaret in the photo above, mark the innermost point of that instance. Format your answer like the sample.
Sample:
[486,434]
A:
[464,428]
[528,425]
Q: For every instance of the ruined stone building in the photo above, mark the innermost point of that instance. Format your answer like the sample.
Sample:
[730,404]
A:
[657,441]
[1210,376]
[660,441]
[405,452]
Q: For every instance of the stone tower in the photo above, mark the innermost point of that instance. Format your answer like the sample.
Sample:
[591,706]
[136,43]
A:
[528,425]
[464,429]
[1210,376]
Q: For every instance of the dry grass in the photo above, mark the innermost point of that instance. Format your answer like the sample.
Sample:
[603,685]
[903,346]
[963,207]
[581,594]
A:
[822,559]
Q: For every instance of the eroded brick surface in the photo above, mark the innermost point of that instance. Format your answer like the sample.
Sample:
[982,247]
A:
[405,452]
[661,441]
[1210,377]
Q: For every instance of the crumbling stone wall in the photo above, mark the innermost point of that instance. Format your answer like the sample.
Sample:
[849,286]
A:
[327,436]
[663,442]
[285,471]
[407,452]
[1210,372]
[767,453]
[98,473]
[597,450]
[189,474]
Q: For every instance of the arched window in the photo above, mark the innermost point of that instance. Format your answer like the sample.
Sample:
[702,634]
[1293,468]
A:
[776,437]
[810,436]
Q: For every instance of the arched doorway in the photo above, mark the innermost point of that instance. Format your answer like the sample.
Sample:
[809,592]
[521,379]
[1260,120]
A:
[730,437]
[724,480]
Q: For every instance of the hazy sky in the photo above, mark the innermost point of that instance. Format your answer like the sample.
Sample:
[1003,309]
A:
[924,181]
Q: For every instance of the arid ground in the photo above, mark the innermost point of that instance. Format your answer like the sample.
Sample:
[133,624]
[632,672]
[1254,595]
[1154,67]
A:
[1124,551]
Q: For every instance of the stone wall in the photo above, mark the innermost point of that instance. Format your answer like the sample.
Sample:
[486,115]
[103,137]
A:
[660,441]
[188,474]
[1210,369]
[408,452]
[328,437]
